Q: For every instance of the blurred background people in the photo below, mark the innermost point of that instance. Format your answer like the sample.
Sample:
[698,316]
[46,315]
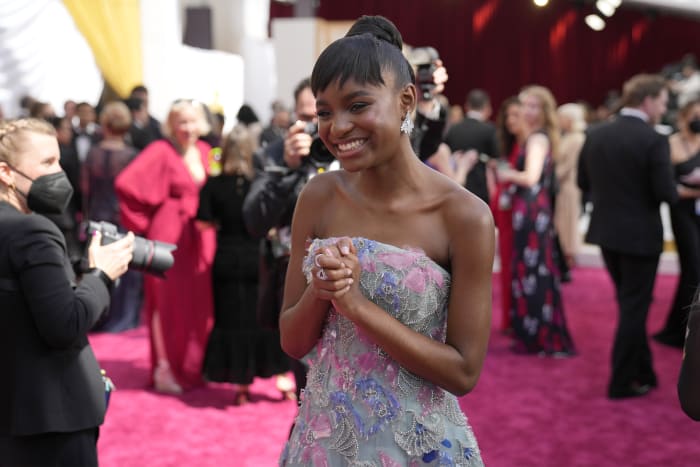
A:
[455,115]
[70,111]
[279,123]
[141,132]
[238,349]
[158,198]
[567,204]
[153,125]
[42,110]
[69,220]
[25,103]
[87,132]
[626,167]
[510,134]
[247,118]
[685,158]
[218,123]
[455,165]
[537,310]
[104,162]
[477,133]
[686,83]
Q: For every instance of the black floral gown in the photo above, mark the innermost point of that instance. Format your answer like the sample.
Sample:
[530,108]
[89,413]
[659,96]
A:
[537,312]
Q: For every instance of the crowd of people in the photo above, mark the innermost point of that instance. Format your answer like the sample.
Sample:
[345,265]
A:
[360,281]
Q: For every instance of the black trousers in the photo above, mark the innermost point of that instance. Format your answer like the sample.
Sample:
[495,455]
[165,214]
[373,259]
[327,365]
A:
[634,278]
[686,231]
[73,449]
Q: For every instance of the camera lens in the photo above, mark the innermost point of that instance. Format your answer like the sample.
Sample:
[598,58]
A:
[319,153]
[311,128]
[152,256]
[149,256]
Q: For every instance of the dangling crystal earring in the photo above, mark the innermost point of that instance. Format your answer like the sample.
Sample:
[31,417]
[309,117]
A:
[407,124]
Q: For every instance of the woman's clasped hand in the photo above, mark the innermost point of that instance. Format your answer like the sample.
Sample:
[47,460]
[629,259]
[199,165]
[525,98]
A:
[336,274]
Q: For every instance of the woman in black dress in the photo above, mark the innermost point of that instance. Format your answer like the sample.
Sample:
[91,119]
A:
[238,349]
[685,221]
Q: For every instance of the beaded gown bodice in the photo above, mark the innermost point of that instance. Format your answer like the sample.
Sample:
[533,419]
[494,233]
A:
[360,407]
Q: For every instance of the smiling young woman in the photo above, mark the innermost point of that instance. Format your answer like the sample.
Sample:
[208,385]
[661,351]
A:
[388,290]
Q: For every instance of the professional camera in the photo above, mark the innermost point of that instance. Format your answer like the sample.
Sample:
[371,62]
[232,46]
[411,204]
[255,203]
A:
[319,155]
[149,256]
[424,58]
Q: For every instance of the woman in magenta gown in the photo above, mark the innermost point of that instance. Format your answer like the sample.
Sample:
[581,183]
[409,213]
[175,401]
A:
[159,195]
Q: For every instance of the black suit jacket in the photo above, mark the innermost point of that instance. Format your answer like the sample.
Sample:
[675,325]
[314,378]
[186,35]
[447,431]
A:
[471,133]
[625,165]
[51,381]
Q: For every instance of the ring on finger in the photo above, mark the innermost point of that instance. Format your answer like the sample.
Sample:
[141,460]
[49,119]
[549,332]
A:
[321,274]
[316,260]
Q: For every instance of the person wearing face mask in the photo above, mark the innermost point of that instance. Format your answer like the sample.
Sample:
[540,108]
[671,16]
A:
[52,399]
[685,221]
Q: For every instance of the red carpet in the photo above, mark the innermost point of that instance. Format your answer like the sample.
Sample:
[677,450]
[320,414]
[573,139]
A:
[526,411]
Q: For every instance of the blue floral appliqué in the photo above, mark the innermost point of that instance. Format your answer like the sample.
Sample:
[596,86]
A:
[343,408]
[443,458]
[382,404]
[387,290]
[365,249]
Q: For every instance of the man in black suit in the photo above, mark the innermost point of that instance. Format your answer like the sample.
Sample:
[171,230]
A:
[152,124]
[625,166]
[475,132]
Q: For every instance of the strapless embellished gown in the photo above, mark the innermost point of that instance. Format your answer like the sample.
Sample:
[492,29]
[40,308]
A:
[360,407]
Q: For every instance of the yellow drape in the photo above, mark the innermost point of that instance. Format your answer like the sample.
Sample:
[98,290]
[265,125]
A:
[112,28]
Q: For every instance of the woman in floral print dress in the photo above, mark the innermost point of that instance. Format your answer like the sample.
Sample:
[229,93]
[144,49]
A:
[388,292]
[537,312]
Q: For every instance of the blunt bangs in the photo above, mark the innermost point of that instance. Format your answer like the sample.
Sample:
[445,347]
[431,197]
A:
[360,58]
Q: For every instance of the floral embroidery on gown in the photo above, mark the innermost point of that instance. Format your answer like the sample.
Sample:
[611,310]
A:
[360,407]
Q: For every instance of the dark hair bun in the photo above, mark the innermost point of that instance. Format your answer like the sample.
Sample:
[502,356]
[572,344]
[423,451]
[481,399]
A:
[379,27]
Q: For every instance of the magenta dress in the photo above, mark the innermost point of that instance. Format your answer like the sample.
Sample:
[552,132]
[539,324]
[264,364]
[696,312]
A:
[158,199]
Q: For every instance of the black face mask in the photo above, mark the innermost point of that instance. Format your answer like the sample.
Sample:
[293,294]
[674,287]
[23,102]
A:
[694,126]
[49,194]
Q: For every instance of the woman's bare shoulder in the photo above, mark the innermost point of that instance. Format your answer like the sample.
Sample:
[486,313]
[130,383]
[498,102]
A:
[464,210]
[319,192]
[322,185]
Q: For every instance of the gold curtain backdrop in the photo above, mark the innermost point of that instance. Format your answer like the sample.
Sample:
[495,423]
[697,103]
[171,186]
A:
[112,28]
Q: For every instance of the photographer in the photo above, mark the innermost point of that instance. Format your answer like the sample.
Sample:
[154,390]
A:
[282,169]
[52,399]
